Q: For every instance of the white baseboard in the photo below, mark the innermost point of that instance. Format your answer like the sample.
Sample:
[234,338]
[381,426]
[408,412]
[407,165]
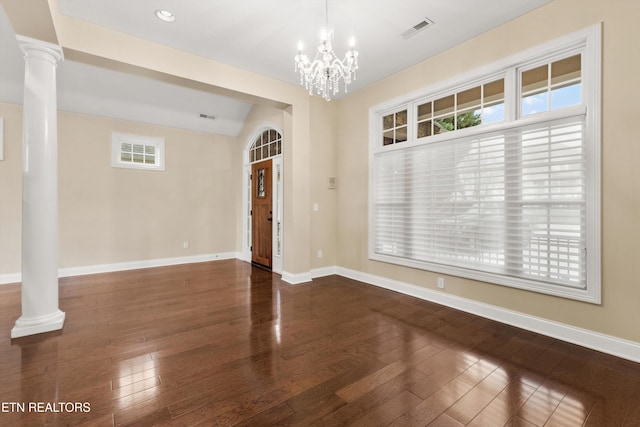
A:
[5,279]
[605,343]
[296,278]
[122,266]
[134,265]
[324,271]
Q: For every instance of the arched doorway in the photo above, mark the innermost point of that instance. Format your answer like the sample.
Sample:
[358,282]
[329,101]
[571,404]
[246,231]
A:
[263,184]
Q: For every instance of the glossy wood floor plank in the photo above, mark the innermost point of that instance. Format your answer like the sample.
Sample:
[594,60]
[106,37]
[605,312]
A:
[225,343]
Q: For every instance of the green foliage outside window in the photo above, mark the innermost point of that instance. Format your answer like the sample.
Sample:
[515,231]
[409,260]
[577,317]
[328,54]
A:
[466,120]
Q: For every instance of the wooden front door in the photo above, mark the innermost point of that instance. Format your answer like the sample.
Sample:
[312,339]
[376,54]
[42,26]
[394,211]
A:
[261,213]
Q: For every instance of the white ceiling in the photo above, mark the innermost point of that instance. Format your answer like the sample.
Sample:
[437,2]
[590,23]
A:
[255,35]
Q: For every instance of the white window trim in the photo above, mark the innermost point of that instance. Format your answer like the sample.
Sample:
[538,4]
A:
[410,107]
[117,138]
[589,41]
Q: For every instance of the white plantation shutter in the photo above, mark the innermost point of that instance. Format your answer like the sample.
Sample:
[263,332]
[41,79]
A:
[551,211]
[508,202]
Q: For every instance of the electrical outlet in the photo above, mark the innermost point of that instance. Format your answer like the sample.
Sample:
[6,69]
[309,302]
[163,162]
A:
[440,282]
[185,244]
[319,253]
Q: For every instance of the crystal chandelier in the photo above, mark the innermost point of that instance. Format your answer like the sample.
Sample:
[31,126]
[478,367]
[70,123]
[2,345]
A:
[323,74]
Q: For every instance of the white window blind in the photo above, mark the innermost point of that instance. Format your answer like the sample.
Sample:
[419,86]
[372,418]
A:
[508,203]
[137,152]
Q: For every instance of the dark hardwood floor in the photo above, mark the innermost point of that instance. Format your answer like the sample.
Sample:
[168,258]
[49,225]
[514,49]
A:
[224,343]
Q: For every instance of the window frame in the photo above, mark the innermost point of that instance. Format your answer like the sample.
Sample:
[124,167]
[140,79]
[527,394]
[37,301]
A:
[455,91]
[546,60]
[393,111]
[272,147]
[118,138]
[587,42]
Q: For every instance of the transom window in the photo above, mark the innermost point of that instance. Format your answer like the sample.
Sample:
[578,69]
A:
[551,86]
[267,144]
[515,199]
[467,108]
[394,127]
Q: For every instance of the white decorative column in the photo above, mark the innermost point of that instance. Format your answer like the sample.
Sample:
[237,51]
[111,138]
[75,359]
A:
[40,312]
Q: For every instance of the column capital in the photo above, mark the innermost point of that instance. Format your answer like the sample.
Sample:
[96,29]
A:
[48,51]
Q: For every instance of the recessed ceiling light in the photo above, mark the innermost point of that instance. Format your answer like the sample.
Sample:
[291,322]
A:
[165,15]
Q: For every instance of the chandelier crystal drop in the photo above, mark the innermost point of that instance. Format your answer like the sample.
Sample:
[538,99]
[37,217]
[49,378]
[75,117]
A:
[323,74]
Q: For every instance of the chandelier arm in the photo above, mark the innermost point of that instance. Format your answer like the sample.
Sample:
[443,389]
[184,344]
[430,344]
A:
[315,68]
[345,67]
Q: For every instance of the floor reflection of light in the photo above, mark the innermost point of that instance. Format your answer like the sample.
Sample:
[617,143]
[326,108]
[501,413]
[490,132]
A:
[137,383]
[570,412]
[469,359]
[276,329]
[491,378]
[277,326]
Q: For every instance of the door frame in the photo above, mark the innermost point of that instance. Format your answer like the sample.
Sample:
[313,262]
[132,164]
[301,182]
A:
[277,183]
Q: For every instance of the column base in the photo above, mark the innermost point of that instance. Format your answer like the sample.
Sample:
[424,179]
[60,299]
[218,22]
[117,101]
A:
[38,325]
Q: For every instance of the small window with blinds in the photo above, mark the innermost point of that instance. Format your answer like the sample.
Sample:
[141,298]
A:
[515,203]
[137,152]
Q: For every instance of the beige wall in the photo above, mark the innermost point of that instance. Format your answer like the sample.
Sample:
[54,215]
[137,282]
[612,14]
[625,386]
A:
[117,215]
[111,215]
[11,191]
[323,166]
[618,314]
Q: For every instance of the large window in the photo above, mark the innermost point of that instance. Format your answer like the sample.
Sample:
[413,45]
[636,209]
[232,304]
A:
[499,180]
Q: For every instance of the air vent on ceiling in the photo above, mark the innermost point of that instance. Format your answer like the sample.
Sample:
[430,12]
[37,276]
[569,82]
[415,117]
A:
[425,23]
[207,116]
